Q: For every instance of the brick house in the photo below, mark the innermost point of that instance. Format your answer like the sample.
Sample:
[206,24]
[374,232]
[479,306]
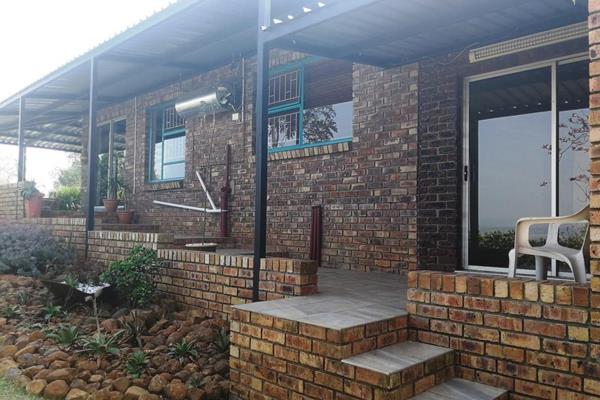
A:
[422,129]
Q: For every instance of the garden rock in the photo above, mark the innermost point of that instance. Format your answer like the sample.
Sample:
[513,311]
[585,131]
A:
[176,390]
[56,390]
[36,387]
[6,364]
[157,384]
[134,393]
[8,351]
[77,394]
[121,384]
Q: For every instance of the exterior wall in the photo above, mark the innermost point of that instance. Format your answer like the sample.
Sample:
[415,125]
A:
[107,246]
[594,120]
[540,340]
[440,147]
[367,188]
[11,202]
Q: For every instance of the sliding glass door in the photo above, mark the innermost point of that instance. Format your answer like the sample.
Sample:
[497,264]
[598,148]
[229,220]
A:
[526,155]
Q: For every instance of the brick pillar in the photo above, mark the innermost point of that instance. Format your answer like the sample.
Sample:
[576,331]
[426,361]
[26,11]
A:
[594,120]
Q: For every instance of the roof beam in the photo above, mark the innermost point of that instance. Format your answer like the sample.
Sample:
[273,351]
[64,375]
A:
[146,61]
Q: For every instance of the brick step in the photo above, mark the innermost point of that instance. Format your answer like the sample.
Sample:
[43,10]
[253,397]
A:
[460,389]
[403,369]
[330,329]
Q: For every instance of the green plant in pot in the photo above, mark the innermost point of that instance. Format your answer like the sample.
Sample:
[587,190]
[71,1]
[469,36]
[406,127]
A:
[111,202]
[33,200]
[126,214]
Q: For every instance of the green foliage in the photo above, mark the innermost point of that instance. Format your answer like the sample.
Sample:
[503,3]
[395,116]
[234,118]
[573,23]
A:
[65,336]
[71,282]
[222,341]
[51,311]
[499,240]
[69,176]
[196,383]
[10,312]
[133,276]
[29,190]
[135,328]
[30,250]
[68,198]
[101,345]
[136,364]
[184,351]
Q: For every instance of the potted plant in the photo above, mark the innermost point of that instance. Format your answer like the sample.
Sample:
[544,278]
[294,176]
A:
[111,202]
[33,200]
[124,215]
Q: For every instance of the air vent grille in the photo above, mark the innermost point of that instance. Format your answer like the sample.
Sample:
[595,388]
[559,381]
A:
[546,38]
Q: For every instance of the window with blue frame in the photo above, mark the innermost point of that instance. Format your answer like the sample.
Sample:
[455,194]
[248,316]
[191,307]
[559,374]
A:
[310,104]
[167,145]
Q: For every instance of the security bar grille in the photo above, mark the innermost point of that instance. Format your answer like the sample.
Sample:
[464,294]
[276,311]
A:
[535,40]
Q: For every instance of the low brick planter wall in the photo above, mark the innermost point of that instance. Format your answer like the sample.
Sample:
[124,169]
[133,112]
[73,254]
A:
[11,201]
[216,282]
[108,246]
[539,340]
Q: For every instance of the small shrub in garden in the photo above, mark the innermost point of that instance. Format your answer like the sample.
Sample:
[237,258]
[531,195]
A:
[133,276]
[222,341]
[135,328]
[184,351]
[136,364]
[68,198]
[10,311]
[23,298]
[29,250]
[101,345]
[51,311]
[65,336]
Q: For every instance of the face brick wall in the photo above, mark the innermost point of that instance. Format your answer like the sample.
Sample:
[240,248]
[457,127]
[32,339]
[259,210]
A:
[11,202]
[440,147]
[594,120]
[367,188]
[537,339]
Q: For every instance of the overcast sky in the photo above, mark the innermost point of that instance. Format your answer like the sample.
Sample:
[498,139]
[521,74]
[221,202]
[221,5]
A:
[38,36]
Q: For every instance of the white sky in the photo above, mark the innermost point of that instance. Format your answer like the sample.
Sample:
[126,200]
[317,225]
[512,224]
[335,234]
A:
[38,36]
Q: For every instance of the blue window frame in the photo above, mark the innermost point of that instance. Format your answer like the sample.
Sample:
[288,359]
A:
[166,145]
[310,104]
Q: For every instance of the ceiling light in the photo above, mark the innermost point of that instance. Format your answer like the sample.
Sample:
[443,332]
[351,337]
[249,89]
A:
[277,21]
[306,9]
[290,17]
[321,4]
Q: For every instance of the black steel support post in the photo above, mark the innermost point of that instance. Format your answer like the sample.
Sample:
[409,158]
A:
[92,156]
[21,141]
[262,148]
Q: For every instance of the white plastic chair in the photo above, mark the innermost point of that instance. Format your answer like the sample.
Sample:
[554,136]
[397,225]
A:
[574,258]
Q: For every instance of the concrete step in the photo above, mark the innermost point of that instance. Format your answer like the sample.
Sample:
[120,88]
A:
[460,389]
[404,366]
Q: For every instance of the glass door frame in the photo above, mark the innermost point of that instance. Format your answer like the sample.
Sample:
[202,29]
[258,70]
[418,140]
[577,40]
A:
[466,166]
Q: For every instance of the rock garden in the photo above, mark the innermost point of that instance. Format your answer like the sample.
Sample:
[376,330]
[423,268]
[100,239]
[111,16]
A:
[109,338]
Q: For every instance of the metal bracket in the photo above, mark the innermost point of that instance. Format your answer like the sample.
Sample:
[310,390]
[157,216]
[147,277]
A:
[212,210]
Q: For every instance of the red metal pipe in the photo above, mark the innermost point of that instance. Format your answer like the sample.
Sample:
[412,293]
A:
[316,233]
[225,192]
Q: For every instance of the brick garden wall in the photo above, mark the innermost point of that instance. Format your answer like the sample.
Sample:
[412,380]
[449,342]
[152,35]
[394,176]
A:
[216,282]
[207,280]
[11,202]
[540,340]
[367,188]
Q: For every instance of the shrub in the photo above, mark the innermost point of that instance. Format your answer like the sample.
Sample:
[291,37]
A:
[135,328]
[102,345]
[10,312]
[184,351]
[68,198]
[222,341]
[136,364]
[65,336]
[51,311]
[29,250]
[133,276]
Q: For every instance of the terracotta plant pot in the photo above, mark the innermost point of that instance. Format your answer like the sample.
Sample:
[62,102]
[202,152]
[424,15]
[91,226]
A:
[125,216]
[110,205]
[33,206]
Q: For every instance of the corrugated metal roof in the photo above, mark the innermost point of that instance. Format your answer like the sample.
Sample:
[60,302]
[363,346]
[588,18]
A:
[191,36]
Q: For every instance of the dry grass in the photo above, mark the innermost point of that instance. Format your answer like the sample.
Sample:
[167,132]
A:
[10,392]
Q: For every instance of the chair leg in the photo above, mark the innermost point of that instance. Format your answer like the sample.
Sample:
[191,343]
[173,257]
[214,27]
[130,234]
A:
[512,263]
[578,267]
[541,273]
